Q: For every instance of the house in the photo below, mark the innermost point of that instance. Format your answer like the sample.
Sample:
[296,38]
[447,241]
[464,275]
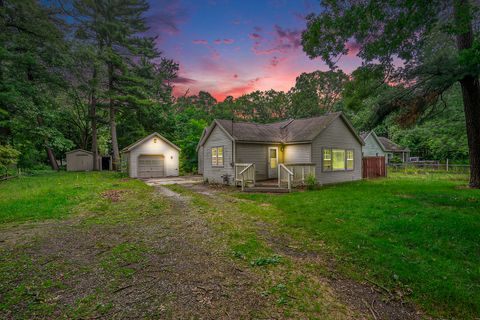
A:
[151,157]
[326,147]
[381,146]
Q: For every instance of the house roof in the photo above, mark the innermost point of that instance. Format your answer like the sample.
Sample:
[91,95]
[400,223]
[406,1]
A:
[286,131]
[365,135]
[139,142]
[391,146]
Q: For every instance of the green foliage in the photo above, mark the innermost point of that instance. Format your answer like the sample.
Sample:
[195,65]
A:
[261,262]
[187,139]
[8,156]
[311,182]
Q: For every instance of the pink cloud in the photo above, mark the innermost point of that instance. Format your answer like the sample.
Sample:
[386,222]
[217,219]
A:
[200,41]
[255,36]
[228,41]
[217,41]
[283,41]
[353,47]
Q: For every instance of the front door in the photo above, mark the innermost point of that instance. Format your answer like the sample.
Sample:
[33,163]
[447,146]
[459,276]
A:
[272,162]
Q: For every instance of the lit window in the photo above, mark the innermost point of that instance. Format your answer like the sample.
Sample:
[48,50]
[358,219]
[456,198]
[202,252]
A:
[349,159]
[217,157]
[327,160]
[220,156]
[338,157]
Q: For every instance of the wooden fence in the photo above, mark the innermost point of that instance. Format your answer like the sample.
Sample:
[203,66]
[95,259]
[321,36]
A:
[374,167]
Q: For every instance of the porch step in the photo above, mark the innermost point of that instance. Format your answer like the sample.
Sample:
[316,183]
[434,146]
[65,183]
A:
[266,189]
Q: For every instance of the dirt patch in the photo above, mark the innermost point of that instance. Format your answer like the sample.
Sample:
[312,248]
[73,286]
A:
[114,195]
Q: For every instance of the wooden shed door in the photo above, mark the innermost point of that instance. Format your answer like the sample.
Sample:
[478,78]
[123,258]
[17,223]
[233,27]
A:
[151,166]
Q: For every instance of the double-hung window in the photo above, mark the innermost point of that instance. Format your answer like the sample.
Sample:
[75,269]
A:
[217,157]
[337,159]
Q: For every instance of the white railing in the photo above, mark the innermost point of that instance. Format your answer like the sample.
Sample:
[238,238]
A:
[284,175]
[244,173]
[301,172]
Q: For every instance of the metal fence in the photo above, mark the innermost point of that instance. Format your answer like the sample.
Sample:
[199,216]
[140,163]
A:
[413,167]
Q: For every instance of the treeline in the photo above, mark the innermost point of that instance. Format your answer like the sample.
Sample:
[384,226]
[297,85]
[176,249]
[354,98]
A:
[87,74]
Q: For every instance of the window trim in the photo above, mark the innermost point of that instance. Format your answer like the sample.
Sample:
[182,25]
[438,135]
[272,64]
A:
[331,159]
[216,165]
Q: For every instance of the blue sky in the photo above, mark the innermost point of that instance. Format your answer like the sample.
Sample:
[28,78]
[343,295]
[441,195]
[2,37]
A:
[231,47]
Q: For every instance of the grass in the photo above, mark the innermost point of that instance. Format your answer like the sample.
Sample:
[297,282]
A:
[35,278]
[418,235]
[53,195]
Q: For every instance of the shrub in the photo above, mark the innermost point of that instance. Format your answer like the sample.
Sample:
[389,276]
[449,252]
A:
[311,182]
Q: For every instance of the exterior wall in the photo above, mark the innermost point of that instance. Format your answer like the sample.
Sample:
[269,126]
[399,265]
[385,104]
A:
[298,153]
[160,148]
[372,148]
[200,160]
[218,138]
[81,161]
[337,135]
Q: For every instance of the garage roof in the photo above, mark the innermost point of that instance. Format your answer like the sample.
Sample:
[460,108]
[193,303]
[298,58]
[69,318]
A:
[139,142]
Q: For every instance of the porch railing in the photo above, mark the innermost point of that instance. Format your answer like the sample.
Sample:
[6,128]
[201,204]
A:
[244,173]
[300,173]
[284,175]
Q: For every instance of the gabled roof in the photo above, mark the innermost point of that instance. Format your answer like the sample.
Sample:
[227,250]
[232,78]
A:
[139,142]
[287,131]
[365,135]
[392,146]
[82,150]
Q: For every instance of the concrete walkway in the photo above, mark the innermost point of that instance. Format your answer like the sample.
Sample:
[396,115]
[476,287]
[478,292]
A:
[174,180]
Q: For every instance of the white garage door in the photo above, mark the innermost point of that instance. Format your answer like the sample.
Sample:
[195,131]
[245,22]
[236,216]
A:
[151,166]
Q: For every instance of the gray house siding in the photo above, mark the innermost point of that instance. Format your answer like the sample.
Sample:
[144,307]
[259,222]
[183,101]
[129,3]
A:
[371,147]
[200,155]
[298,153]
[218,138]
[254,153]
[337,135]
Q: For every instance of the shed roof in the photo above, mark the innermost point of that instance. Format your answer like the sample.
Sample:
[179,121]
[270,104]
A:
[286,131]
[139,142]
[81,150]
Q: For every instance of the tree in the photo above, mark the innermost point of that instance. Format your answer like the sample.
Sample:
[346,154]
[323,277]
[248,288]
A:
[316,93]
[31,59]
[435,40]
[118,29]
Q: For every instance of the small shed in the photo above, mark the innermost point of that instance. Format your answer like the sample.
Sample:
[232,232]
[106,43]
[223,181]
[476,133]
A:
[81,160]
[151,157]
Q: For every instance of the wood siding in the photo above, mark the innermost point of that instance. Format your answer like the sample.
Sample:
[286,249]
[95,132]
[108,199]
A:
[337,135]
[218,138]
[298,153]
[372,148]
[149,147]
[200,160]
[258,154]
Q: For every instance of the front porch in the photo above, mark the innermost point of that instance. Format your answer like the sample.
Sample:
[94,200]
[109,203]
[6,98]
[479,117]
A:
[288,176]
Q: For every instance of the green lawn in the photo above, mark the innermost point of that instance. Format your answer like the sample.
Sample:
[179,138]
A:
[53,194]
[418,235]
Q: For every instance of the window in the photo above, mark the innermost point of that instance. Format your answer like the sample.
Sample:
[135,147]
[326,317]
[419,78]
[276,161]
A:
[217,157]
[350,160]
[327,160]
[338,157]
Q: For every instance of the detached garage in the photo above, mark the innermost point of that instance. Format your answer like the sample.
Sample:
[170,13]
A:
[151,157]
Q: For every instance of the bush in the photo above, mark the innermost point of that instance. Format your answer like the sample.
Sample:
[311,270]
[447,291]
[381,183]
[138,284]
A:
[311,182]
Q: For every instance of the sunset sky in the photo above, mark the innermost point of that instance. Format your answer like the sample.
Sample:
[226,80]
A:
[229,47]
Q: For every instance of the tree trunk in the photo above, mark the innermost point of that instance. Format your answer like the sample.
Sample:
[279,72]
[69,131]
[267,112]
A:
[50,154]
[470,91]
[93,115]
[471,104]
[113,123]
[113,130]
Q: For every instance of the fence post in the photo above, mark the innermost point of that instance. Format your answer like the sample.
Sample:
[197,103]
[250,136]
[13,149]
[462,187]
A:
[447,164]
